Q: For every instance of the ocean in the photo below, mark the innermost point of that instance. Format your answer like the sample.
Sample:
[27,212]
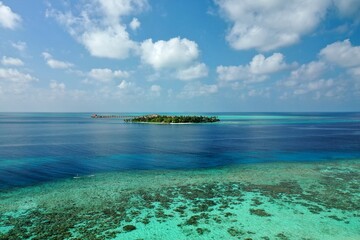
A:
[249,176]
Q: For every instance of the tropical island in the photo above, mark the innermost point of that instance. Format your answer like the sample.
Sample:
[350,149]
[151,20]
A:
[155,118]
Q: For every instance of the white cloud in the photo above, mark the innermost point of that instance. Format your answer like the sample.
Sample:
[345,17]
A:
[101,31]
[348,8]
[115,9]
[104,34]
[342,54]
[303,76]
[306,72]
[345,55]
[21,46]
[58,64]
[53,63]
[128,90]
[197,89]
[261,65]
[8,19]
[54,85]
[268,25]
[106,75]
[256,71]
[177,55]
[308,80]
[174,53]
[46,55]
[14,82]
[193,72]
[231,73]
[318,85]
[14,75]
[118,44]
[135,24]
[355,71]
[259,92]
[125,85]
[11,61]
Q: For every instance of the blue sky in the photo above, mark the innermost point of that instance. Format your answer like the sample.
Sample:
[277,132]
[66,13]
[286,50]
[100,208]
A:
[179,56]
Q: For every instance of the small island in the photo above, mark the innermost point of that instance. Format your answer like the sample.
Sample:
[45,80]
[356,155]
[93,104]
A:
[155,118]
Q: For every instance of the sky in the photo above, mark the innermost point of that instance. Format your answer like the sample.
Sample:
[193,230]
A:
[179,55]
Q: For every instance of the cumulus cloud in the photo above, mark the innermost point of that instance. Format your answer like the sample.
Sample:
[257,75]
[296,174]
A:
[126,91]
[116,9]
[20,46]
[309,79]
[106,75]
[118,44]
[342,54]
[348,8]
[13,81]
[53,63]
[173,53]
[104,34]
[15,75]
[268,25]
[261,65]
[176,54]
[94,28]
[8,19]
[125,85]
[54,85]
[193,72]
[355,71]
[11,61]
[197,89]
[259,92]
[135,24]
[256,71]
[305,72]
[318,85]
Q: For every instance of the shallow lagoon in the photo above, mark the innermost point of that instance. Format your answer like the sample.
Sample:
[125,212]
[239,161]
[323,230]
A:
[260,201]
[251,176]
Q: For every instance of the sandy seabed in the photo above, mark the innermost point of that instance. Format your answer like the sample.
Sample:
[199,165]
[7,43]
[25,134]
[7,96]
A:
[260,201]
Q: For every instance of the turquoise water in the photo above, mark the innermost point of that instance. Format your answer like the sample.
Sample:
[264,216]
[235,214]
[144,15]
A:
[251,176]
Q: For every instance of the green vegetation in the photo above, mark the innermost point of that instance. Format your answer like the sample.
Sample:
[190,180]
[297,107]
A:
[154,118]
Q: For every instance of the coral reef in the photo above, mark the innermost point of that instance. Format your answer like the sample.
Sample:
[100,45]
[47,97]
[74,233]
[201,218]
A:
[211,207]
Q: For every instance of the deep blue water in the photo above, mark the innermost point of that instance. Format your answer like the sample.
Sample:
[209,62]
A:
[39,147]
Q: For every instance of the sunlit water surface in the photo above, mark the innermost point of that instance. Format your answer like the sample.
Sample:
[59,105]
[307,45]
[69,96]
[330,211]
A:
[255,176]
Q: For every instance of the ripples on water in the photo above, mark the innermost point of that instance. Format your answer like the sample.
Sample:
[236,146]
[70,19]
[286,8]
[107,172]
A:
[119,180]
[37,147]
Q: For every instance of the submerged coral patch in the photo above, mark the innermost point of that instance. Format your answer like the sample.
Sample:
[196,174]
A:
[259,212]
[258,202]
